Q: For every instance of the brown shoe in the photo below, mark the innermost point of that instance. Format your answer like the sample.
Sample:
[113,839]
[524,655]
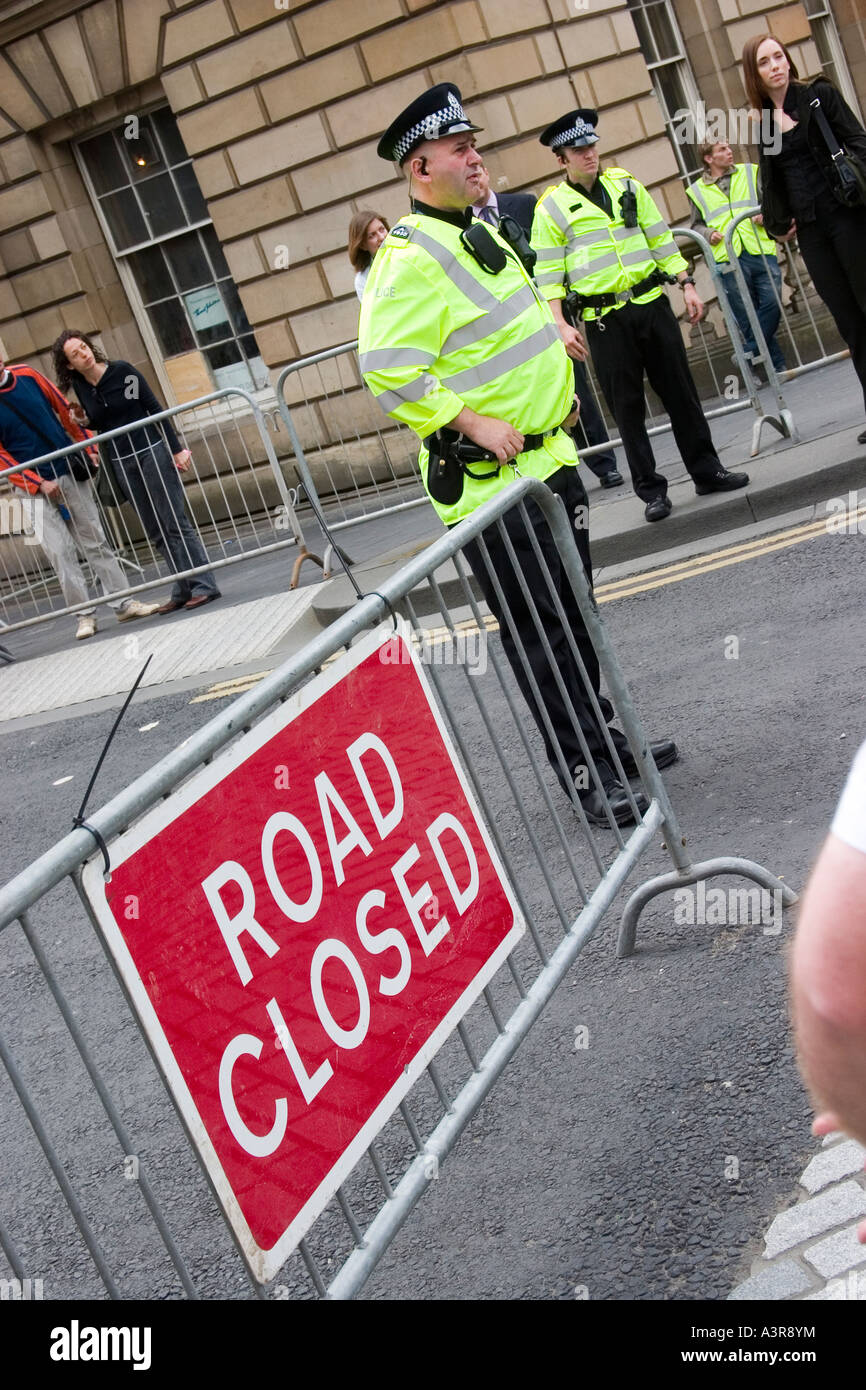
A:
[198,599]
[173,605]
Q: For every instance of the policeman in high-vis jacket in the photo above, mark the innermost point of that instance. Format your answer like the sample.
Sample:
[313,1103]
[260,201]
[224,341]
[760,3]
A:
[456,341]
[601,238]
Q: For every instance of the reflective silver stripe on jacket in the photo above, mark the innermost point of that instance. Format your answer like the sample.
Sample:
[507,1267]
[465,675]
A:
[506,310]
[381,359]
[550,277]
[457,274]
[639,257]
[591,238]
[750,183]
[561,218]
[502,362]
[405,395]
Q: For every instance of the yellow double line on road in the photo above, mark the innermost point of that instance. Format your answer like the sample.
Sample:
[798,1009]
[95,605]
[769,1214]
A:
[625,588]
[427,637]
[731,555]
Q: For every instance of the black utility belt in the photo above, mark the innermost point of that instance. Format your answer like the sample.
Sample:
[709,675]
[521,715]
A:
[609,301]
[454,457]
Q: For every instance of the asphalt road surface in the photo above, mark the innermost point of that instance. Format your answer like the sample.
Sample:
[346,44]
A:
[644,1165]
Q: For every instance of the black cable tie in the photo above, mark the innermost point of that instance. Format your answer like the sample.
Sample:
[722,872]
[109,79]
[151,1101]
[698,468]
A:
[100,760]
[80,824]
[374,593]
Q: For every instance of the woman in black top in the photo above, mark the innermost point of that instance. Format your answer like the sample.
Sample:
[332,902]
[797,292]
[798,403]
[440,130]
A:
[797,184]
[114,394]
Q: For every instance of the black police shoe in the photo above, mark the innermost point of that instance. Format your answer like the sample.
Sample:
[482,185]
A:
[861,438]
[664,752]
[658,509]
[613,478]
[615,795]
[721,481]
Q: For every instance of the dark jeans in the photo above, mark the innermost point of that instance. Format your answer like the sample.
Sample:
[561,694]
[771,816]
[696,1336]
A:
[833,249]
[590,428]
[151,483]
[764,282]
[568,484]
[640,338]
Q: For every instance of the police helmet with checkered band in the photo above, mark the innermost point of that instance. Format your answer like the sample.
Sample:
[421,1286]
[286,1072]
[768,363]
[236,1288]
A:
[436,113]
[575,130]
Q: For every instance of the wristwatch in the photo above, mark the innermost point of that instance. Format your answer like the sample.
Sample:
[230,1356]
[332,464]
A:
[689,280]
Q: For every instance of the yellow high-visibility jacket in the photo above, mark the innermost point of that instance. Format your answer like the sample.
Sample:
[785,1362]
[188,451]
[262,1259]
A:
[438,332]
[717,209]
[581,248]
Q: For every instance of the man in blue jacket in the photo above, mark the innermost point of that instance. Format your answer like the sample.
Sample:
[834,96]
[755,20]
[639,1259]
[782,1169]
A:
[35,419]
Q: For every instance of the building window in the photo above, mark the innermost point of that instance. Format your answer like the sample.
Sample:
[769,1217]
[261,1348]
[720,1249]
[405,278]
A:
[829,46]
[674,84]
[143,185]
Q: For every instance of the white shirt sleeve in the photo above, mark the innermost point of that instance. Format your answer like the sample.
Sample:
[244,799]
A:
[361,280]
[849,822]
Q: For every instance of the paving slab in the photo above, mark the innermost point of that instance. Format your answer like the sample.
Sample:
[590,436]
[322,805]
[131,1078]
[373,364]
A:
[811,1250]
[181,646]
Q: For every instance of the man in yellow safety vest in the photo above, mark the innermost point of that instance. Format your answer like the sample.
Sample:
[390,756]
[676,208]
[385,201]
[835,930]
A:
[602,241]
[723,192]
[456,341]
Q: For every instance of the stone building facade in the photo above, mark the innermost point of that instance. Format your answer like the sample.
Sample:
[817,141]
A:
[178,175]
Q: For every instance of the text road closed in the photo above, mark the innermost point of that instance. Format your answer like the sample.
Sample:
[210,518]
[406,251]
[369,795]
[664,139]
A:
[300,928]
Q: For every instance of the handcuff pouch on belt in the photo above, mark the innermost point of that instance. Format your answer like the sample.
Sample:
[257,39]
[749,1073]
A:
[453,457]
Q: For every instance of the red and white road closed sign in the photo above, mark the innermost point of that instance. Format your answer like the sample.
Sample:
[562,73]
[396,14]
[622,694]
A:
[300,927]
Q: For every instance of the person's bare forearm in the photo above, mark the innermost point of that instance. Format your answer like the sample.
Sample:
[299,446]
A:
[828,985]
[833,1063]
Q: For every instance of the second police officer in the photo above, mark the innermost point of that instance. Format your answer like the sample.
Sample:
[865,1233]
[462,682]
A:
[601,238]
[456,341]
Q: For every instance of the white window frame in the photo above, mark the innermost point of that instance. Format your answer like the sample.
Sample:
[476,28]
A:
[262,395]
[686,78]
[822,22]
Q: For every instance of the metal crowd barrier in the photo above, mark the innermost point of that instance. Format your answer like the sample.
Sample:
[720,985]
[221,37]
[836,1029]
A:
[364,465]
[243,510]
[81,1101]
[804,338]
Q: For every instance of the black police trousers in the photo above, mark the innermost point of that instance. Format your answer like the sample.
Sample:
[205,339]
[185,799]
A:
[645,338]
[518,623]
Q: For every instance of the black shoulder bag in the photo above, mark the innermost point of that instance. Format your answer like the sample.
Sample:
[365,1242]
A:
[849,176]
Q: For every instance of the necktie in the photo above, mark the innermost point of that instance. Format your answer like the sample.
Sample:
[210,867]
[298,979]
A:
[488,214]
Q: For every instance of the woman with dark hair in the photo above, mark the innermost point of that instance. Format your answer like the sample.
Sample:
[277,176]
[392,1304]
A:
[367,231]
[800,187]
[114,394]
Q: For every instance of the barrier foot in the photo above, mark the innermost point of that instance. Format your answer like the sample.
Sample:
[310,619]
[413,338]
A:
[332,550]
[727,864]
[783,424]
[793,432]
[305,554]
